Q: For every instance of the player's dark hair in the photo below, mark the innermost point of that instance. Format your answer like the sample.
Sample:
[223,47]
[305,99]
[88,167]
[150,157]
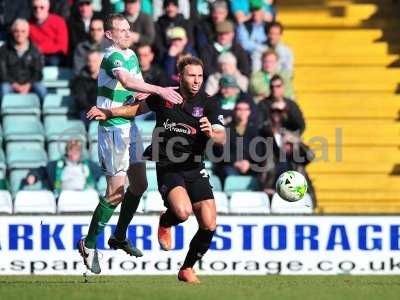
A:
[276,24]
[108,24]
[188,59]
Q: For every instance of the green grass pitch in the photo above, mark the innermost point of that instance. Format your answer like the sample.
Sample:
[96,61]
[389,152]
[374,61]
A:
[212,287]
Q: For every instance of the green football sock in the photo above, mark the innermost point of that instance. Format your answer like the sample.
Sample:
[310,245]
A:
[128,208]
[101,216]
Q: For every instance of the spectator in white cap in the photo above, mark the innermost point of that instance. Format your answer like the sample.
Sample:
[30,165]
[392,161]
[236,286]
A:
[227,63]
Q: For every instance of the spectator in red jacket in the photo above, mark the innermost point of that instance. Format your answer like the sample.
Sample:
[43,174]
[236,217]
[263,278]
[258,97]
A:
[48,32]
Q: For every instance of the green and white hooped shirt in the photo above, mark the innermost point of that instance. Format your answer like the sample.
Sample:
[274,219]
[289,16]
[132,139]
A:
[110,92]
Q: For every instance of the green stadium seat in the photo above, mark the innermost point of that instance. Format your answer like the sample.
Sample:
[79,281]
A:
[22,128]
[60,128]
[152,180]
[55,104]
[215,183]
[19,104]
[2,164]
[63,91]
[93,130]
[238,183]
[101,185]
[93,152]
[25,155]
[146,128]
[56,150]
[16,182]
[55,77]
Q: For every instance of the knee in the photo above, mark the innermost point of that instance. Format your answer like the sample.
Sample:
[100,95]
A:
[211,226]
[115,198]
[183,212]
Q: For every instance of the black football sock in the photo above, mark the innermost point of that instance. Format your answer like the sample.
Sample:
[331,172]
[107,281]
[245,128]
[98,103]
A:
[169,219]
[198,247]
[128,208]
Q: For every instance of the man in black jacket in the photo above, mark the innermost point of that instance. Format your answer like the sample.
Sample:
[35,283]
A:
[172,18]
[79,23]
[142,25]
[84,86]
[96,41]
[224,42]
[293,119]
[21,63]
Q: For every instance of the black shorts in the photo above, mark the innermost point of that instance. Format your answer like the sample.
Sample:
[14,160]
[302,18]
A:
[195,181]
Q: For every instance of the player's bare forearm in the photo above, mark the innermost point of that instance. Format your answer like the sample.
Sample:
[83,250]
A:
[125,111]
[138,85]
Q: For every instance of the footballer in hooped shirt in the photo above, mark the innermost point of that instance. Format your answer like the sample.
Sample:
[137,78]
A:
[182,178]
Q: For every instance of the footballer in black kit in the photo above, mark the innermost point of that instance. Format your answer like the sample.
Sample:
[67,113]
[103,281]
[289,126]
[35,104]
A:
[179,141]
[178,144]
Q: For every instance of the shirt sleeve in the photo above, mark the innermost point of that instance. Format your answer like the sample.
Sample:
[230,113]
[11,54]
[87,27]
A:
[113,63]
[213,114]
[154,103]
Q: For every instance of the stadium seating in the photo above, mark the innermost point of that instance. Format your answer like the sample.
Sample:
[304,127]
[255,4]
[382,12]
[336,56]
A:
[2,164]
[5,202]
[20,155]
[56,150]
[102,186]
[55,104]
[93,130]
[249,203]
[60,128]
[35,202]
[13,104]
[152,180]
[221,202]
[280,206]
[154,202]
[16,180]
[56,77]
[146,129]
[334,89]
[238,183]
[22,128]
[215,183]
[77,201]
[93,152]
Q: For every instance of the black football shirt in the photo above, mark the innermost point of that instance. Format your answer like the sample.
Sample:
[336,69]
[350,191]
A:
[177,138]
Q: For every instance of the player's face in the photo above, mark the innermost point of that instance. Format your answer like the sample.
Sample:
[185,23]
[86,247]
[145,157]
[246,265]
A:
[120,34]
[192,79]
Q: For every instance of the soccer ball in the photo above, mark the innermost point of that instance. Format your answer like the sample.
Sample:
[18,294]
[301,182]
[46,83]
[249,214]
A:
[291,186]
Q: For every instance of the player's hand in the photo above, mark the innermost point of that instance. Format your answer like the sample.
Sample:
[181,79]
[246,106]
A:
[141,96]
[169,94]
[99,114]
[205,126]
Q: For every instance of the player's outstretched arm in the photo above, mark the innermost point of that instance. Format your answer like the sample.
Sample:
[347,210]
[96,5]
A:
[218,135]
[137,85]
[125,111]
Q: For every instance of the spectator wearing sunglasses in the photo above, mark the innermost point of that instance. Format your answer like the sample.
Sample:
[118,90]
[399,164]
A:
[292,117]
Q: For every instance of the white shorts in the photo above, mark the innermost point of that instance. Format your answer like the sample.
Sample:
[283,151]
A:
[119,147]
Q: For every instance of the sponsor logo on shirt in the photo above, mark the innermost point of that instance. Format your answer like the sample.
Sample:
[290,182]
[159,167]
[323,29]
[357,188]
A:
[179,127]
[197,112]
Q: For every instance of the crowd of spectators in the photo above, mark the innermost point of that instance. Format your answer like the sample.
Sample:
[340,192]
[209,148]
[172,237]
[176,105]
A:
[248,67]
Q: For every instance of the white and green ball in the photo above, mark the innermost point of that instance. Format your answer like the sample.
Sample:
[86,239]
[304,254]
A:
[291,186]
